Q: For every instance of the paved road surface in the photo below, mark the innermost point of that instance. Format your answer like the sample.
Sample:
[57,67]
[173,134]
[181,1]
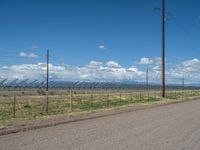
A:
[172,127]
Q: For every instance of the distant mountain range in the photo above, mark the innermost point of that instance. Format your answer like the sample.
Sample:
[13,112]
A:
[122,83]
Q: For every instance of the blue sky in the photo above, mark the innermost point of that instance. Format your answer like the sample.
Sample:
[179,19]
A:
[77,31]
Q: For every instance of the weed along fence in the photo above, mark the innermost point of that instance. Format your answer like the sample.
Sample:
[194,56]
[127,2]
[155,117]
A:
[29,106]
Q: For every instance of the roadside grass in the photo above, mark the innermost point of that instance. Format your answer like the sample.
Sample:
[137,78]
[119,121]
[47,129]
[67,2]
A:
[33,107]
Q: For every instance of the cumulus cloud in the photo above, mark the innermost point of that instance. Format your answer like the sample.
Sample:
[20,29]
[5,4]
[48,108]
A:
[28,55]
[94,64]
[94,71]
[36,47]
[150,61]
[113,64]
[99,71]
[23,71]
[190,69]
[102,47]
[145,61]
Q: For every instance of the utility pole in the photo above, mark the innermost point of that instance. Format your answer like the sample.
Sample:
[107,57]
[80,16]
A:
[47,84]
[147,82]
[47,73]
[183,84]
[147,79]
[163,48]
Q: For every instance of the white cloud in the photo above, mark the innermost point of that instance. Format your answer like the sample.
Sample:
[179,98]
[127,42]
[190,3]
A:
[157,60]
[113,64]
[157,68]
[150,61]
[94,71]
[32,55]
[23,71]
[145,61]
[94,64]
[133,69]
[102,47]
[35,47]
[28,55]
[189,69]
[99,71]
[22,54]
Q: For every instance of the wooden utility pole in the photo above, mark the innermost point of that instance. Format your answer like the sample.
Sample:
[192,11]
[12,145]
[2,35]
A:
[163,48]
[47,83]
[147,79]
[147,82]
[47,73]
[183,86]
[183,83]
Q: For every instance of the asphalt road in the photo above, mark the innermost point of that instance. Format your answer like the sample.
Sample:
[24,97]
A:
[171,127]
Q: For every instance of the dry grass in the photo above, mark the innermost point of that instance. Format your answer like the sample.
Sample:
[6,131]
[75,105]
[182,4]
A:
[32,106]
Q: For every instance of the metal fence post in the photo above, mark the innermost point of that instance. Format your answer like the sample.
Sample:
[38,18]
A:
[131,96]
[14,107]
[91,101]
[108,100]
[71,100]
[175,94]
[120,98]
[47,105]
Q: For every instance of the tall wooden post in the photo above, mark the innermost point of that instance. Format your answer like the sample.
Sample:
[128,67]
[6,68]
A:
[163,48]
